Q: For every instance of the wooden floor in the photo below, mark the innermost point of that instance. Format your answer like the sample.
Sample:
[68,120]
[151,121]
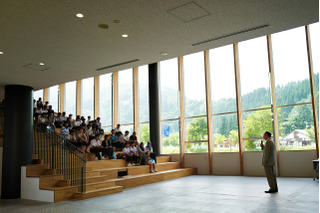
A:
[102,177]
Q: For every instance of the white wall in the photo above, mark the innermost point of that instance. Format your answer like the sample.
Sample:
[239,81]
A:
[297,163]
[199,161]
[252,164]
[1,153]
[226,163]
[30,188]
[291,163]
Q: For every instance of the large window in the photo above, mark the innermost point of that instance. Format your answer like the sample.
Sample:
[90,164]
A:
[87,97]
[54,97]
[195,103]
[70,97]
[125,97]
[143,95]
[169,86]
[105,100]
[38,94]
[255,91]
[293,92]
[223,93]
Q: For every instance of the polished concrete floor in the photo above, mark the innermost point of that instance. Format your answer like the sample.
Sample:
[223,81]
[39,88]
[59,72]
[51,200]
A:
[192,194]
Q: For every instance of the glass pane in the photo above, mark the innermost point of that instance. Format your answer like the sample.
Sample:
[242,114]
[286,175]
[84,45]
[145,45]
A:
[143,80]
[170,140]
[255,124]
[105,99]
[222,79]
[197,147]
[291,67]
[144,133]
[87,99]
[70,98]
[38,94]
[196,129]
[225,133]
[296,130]
[169,86]
[315,46]
[254,73]
[125,97]
[54,97]
[194,84]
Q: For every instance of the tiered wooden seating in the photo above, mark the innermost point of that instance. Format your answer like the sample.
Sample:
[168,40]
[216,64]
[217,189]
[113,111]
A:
[102,178]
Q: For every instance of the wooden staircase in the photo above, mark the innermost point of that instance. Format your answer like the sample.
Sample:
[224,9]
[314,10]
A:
[102,177]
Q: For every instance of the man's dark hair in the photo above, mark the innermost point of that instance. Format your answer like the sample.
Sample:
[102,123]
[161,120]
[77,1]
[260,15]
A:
[268,133]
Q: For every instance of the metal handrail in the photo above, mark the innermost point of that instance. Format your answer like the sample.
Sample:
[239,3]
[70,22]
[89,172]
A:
[61,156]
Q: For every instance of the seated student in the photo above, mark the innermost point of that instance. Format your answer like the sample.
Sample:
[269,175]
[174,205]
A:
[63,116]
[43,122]
[69,122]
[88,120]
[151,162]
[99,126]
[126,136]
[37,112]
[142,151]
[77,122]
[119,143]
[58,120]
[83,120]
[128,154]
[83,140]
[135,154]
[149,148]
[117,129]
[46,105]
[107,145]
[90,132]
[44,110]
[65,129]
[114,137]
[50,109]
[133,138]
[95,147]
[72,138]
[70,118]
[51,120]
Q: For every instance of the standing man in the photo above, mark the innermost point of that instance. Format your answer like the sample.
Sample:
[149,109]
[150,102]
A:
[268,161]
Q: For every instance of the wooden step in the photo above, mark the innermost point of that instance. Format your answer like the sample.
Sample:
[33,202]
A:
[138,180]
[92,173]
[99,185]
[48,181]
[163,159]
[103,164]
[97,179]
[36,170]
[167,166]
[99,192]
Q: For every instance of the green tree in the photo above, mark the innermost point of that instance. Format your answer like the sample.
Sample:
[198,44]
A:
[234,137]
[172,140]
[219,139]
[144,133]
[197,130]
[311,134]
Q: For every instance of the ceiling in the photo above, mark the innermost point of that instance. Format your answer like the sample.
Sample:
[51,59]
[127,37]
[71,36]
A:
[74,48]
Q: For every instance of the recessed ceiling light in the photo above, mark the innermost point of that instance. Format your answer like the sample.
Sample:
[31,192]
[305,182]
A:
[79,15]
[116,21]
[124,35]
[41,64]
[164,53]
[1,53]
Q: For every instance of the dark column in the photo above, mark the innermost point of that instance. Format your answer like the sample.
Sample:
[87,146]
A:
[154,105]
[17,146]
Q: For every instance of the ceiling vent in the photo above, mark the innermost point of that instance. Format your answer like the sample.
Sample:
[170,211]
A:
[116,65]
[189,12]
[230,35]
[36,67]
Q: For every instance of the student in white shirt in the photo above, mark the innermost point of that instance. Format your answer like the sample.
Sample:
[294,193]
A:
[126,136]
[117,129]
[129,156]
[135,154]
[95,147]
